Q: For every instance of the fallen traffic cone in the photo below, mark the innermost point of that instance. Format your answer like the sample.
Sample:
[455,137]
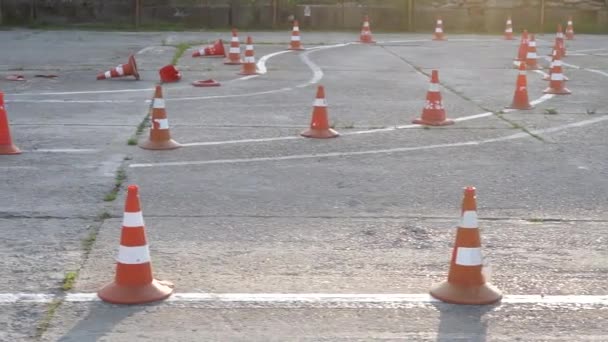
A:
[134,282]
[249,67]
[295,43]
[214,50]
[523,48]
[531,56]
[160,136]
[319,125]
[509,29]
[557,84]
[547,77]
[129,69]
[439,30]
[169,74]
[570,29]
[466,282]
[366,32]
[234,54]
[433,113]
[520,98]
[6,142]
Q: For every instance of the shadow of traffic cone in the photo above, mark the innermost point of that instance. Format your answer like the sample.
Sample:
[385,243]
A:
[295,43]
[520,98]
[557,84]
[531,56]
[129,69]
[433,113]
[134,282]
[509,29]
[319,125]
[6,142]
[249,67]
[366,32]
[160,136]
[214,50]
[523,49]
[234,54]
[439,30]
[466,283]
[570,29]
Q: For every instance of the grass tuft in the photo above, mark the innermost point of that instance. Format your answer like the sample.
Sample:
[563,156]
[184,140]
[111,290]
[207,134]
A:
[68,280]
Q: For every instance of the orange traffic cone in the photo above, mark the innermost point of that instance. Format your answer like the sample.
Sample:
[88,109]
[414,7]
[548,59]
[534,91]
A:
[134,282]
[214,50]
[520,98]
[366,32]
[439,30]
[234,54]
[160,137]
[570,29]
[249,67]
[295,43]
[6,142]
[433,113]
[547,77]
[509,29]
[559,44]
[466,283]
[531,56]
[129,69]
[523,48]
[557,84]
[319,125]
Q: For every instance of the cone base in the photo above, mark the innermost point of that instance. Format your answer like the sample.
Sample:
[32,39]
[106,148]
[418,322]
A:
[367,41]
[231,62]
[9,149]
[206,83]
[437,38]
[520,107]
[134,66]
[160,145]
[320,133]
[421,121]
[476,295]
[548,78]
[118,294]
[563,91]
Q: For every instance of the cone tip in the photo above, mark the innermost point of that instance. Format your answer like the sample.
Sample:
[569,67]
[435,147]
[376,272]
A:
[132,188]
[320,92]
[469,202]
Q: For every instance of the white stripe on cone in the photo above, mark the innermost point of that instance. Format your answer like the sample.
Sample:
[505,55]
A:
[439,22]
[133,220]
[295,38]
[133,255]
[557,77]
[468,256]
[107,74]
[249,48]
[235,50]
[434,87]
[469,219]
[509,30]
[439,30]
[158,103]
[320,103]
[162,123]
[531,55]
[249,59]
[235,39]
[296,29]
[532,43]
[366,24]
[509,22]
[120,70]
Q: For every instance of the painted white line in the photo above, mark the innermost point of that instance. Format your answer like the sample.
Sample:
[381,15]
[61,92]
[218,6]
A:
[6,168]
[586,50]
[382,151]
[261,65]
[69,101]
[146,49]
[598,72]
[84,92]
[63,150]
[317,73]
[244,141]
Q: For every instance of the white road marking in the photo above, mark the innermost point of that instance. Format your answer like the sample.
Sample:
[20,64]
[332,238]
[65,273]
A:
[586,50]
[261,65]
[69,101]
[382,151]
[63,150]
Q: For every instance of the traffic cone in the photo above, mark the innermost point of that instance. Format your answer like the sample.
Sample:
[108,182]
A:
[169,74]
[531,56]
[160,136]
[249,67]
[214,50]
[557,84]
[295,43]
[129,69]
[134,282]
[520,98]
[466,283]
[570,29]
[234,54]
[366,32]
[523,48]
[509,29]
[6,142]
[547,77]
[560,44]
[433,113]
[439,30]
[319,125]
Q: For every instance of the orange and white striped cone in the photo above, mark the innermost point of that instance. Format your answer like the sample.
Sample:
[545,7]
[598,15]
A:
[439,35]
[249,67]
[560,43]
[433,113]
[319,124]
[570,29]
[509,29]
[547,77]
[466,282]
[214,50]
[6,142]
[296,42]
[531,56]
[134,282]
[520,98]
[160,136]
[129,69]
[234,53]
[366,32]
[557,83]
[523,49]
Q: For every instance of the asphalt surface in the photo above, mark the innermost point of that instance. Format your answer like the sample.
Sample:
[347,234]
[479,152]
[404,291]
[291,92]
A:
[248,206]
